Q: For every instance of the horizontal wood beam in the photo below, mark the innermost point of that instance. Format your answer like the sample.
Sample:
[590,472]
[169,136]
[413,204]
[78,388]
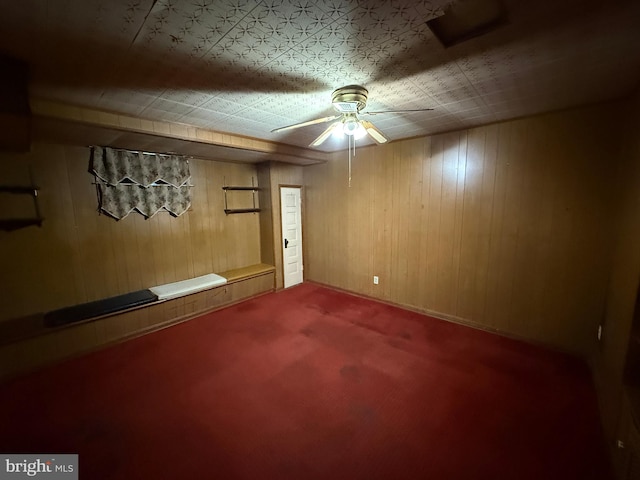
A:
[223,146]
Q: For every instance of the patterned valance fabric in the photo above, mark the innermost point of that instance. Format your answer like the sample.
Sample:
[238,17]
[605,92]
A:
[144,182]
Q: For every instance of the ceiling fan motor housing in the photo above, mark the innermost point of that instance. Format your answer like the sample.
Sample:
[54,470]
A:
[349,99]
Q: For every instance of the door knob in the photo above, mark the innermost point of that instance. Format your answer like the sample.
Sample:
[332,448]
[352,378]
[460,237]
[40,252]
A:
[286,242]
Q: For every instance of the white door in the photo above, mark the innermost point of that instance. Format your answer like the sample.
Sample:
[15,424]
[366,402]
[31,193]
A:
[291,235]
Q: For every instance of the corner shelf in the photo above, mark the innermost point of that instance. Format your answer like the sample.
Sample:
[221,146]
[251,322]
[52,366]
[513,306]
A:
[230,211]
[10,224]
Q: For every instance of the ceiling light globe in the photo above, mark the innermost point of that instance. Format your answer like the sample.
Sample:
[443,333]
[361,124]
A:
[350,127]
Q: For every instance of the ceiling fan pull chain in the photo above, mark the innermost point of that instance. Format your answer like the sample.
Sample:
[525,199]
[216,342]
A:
[351,147]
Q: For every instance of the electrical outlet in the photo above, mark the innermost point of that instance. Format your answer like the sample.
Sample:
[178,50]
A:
[375,280]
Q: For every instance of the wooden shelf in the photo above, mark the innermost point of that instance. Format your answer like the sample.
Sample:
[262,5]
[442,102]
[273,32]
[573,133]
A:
[253,189]
[230,211]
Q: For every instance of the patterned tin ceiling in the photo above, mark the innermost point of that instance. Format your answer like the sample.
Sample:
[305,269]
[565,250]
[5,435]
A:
[247,67]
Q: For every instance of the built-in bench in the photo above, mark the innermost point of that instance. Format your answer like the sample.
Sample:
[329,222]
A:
[98,308]
[27,343]
[169,291]
[187,287]
[38,324]
[246,273]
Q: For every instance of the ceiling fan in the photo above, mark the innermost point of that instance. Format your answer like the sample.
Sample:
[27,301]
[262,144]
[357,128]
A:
[349,102]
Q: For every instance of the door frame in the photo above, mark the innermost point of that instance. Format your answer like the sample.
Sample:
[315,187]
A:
[278,246]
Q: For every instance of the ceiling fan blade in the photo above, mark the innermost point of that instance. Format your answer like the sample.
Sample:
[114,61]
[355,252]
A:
[324,135]
[304,124]
[397,111]
[374,132]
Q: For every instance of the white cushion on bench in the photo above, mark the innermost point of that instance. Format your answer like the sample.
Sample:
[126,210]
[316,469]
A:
[186,287]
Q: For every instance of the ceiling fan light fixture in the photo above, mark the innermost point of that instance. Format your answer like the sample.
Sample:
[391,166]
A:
[349,102]
[354,129]
[350,125]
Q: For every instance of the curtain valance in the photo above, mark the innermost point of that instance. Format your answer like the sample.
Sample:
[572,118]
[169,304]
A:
[145,182]
[115,166]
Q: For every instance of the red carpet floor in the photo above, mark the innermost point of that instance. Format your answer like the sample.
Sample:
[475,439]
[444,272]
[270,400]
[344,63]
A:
[311,383]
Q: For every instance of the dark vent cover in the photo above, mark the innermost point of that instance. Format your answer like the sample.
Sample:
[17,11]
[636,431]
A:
[467,19]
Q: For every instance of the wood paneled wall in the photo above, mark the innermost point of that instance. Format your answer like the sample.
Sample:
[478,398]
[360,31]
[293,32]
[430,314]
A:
[609,356]
[79,256]
[504,226]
